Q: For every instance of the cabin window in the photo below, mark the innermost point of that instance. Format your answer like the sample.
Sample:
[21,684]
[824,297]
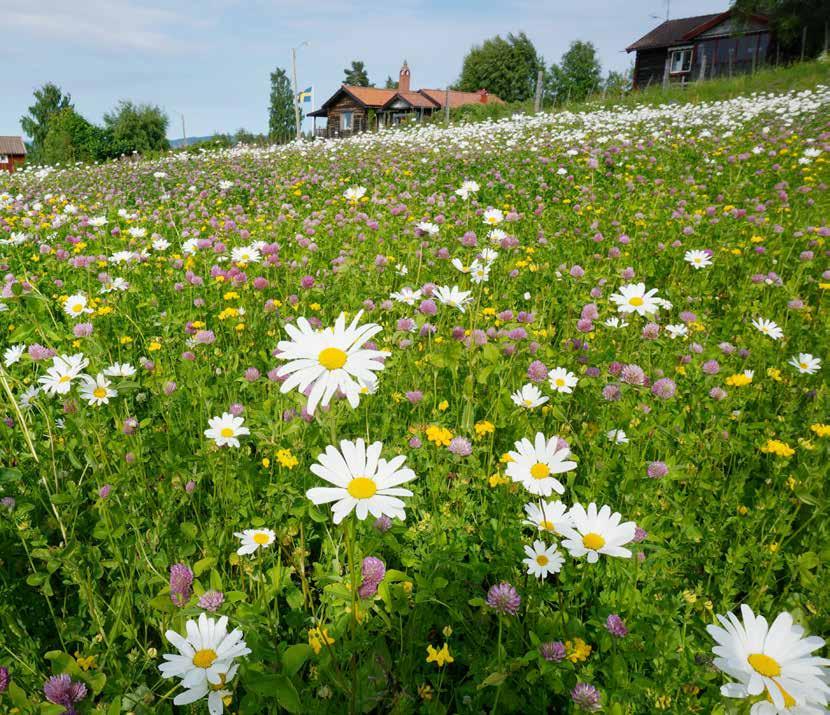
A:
[346,120]
[4,158]
[680,60]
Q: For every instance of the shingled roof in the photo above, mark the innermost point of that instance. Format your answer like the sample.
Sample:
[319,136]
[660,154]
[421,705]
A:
[12,145]
[671,32]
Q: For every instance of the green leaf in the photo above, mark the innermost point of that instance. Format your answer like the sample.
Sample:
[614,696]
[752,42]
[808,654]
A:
[278,686]
[203,565]
[494,679]
[295,656]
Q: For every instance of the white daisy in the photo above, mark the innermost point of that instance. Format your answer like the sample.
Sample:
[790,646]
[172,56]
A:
[542,560]
[677,331]
[246,254]
[406,295]
[215,694]
[76,306]
[118,369]
[496,236]
[615,322]
[534,464]
[768,328]
[206,656]
[698,259]
[459,266]
[804,363]
[364,482]
[428,228]
[329,360]
[467,188]
[488,255]
[479,273]
[529,396]
[561,380]
[253,539]
[493,217]
[595,532]
[453,296]
[772,659]
[354,193]
[13,354]
[137,232]
[26,398]
[161,244]
[224,430]
[225,185]
[633,298]
[97,390]
[65,368]
[617,436]
[548,516]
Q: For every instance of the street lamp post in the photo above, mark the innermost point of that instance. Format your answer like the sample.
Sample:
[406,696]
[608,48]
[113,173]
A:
[294,82]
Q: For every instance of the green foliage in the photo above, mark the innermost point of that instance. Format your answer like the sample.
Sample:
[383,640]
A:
[134,127]
[356,75]
[577,75]
[49,100]
[281,118]
[390,83]
[507,68]
[70,138]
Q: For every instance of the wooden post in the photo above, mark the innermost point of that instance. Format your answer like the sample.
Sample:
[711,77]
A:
[447,106]
[731,53]
[537,97]
[666,70]
[754,60]
[702,74]
[803,42]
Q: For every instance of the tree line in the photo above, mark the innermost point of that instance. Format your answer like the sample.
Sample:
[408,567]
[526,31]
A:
[59,134]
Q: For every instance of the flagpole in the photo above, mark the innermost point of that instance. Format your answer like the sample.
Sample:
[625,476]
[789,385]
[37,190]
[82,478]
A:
[294,82]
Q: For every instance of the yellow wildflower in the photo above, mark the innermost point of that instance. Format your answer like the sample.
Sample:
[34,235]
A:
[155,345]
[577,650]
[822,430]
[439,657]
[439,436]
[484,427]
[443,405]
[318,637]
[739,380]
[777,447]
[286,459]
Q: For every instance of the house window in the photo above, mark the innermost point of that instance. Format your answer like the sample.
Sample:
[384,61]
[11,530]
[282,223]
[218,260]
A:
[346,121]
[4,158]
[680,60]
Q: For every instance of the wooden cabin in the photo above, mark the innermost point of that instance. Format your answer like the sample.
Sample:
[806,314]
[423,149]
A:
[351,110]
[705,46]
[12,153]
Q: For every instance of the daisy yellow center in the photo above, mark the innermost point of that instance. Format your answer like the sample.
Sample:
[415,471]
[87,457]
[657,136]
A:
[261,538]
[77,308]
[528,402]
[804,365]
[560,382]
[593,541]
[542,560]
[221,684]
[226,432]
[100,392]
[547,525]
[361,488]
[636,301]
[332,358]
[65,378]
[539,470]
[763,664]
[204,658]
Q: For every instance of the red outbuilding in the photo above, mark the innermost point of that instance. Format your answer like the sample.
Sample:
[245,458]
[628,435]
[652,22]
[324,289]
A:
[12,153]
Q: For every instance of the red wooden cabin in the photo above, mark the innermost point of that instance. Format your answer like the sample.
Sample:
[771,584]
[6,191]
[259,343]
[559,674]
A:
[12,153]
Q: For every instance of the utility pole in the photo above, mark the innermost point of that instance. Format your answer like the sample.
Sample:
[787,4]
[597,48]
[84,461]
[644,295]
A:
[537,97]
[447,106]
[184,133]
[294,84]
[803,42]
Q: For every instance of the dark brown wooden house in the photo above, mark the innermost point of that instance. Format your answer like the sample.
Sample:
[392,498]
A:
[351,109]
[12,153]
[704,46]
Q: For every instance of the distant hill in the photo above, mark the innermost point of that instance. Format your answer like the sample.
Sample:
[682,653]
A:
[176,143]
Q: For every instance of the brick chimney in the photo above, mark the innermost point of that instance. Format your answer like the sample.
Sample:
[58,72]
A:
[483,95]
[403,78]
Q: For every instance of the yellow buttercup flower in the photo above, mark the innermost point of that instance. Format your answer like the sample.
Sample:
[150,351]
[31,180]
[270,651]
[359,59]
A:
[439,436]
[822,430]
[484,427]
[286,459]
[318,637]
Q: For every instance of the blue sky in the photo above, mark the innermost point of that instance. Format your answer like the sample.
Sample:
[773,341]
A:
[210,60]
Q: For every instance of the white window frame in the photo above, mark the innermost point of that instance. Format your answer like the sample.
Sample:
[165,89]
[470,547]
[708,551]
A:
[681,51]
[346,125]
[4,158]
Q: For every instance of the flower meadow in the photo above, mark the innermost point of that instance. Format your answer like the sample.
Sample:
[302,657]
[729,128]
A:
[518,416]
